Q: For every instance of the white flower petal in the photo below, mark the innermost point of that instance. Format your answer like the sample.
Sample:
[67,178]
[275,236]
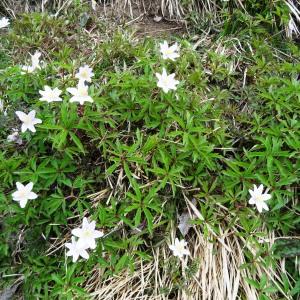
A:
[37,121]
[265,206]
[259,206]
[260,189]
[22,116]
[85,223]
[97,234]
[75,256]
[23,203]
[31,127]
[29,186]
[252,200]
[84,242]
[32,196]
[266,197]
[24,127]
[84,254]
[72,91]
[77,232]
[158,76]
[31,114]
[19,185]
[16,196]
[92,243]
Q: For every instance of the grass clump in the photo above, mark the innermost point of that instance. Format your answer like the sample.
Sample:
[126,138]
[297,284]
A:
[137,158]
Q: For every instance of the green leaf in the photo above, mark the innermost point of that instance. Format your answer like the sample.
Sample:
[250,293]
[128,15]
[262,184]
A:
[149,218]
[122,263]
[287,248]
[51,127]
[77,141]
[57,279]
[296,288]
[252,282]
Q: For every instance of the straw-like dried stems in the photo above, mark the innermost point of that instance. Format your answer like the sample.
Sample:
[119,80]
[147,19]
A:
[212,272]
[170,9]
[218,276]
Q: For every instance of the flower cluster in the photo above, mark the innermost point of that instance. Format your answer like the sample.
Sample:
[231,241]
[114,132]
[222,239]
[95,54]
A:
[258,198]
[86,236]
[168,82]
[79,94]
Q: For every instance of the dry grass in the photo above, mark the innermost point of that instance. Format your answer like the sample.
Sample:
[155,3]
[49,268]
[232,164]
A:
[216,275]
[137,9]
[166,8]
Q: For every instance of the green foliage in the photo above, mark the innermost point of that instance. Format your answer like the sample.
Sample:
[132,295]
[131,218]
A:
[221,132]
[287,248]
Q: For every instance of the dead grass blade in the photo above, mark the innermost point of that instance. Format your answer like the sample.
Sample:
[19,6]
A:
[218,274]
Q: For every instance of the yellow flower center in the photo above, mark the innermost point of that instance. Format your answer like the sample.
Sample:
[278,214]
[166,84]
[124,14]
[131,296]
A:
[87,234]
[165,81]
[27,120]
[22,194]
[258,198]
[84,74]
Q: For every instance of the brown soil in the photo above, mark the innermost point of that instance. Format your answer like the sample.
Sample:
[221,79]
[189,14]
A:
[148,27]
[145,17]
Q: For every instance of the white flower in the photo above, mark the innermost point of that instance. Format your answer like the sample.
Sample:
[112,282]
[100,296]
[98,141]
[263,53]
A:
[35,59]
[50,95]
[292,28]
[258,198]
[2,107]
[169,52]
[80,94]
[87,234]
[35,63]
[27,69]
[94,5]
[166,82]
[14,137]
[28,120]
[230,67]
[85,73]
[24,193]
[178,248]
[4,22]
[76,250]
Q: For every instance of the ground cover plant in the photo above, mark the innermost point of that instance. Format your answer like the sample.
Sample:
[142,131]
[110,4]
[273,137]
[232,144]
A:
[149,167]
